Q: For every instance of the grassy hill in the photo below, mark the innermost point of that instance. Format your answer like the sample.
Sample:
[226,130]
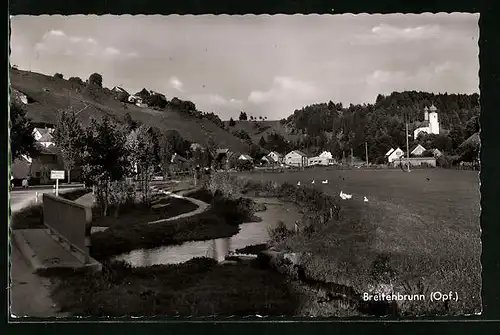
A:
[49,95]
[257,129]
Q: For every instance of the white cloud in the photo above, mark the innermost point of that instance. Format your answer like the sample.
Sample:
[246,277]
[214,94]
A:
[57,42]
[215,100]
[436,77]
[283,88]
[176,83]
[385,33]
[110,51]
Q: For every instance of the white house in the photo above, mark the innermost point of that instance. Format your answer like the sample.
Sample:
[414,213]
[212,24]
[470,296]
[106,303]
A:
[275,156]
[44,136]
[325,158]
[430,125]
[134,99]
[418,150]
[118,89]
[296,158]
[436,153]
[244,157]
[395,154]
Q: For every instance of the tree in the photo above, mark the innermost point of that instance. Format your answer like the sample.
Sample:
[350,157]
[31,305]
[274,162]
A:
[156,100]
[472,126]
[58,76]
[243,116]
[67,136]
[22,141]
[76,80]
[232,123]
[142,156]
[95,79]
[262,142]
[105,157]
[129,122]
[166,150]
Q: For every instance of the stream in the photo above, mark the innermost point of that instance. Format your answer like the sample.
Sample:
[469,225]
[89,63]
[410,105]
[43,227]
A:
[250,233]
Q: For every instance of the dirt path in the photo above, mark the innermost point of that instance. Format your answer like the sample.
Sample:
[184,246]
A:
[202,206]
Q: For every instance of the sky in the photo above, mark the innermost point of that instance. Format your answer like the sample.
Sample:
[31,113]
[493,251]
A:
[265,65]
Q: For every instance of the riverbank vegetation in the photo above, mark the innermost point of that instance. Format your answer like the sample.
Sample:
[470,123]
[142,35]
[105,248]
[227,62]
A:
[199,287]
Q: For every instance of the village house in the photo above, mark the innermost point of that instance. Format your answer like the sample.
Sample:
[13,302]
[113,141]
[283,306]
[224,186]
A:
[394,154]
[417,150]
[296,158]
[244,157]
[430,125]
[38,168]
[324,159]
[436,153]
[276,157]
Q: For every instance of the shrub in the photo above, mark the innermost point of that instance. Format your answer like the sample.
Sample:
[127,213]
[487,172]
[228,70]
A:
[58,76]
[280,232]
[95,79]
[76,80]
[443,161]
[244,165]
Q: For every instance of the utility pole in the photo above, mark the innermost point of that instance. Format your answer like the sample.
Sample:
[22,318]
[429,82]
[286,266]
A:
[407,145]
[352,158]
[366,152]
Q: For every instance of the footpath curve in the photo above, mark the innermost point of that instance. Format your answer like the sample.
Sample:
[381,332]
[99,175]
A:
[202,206]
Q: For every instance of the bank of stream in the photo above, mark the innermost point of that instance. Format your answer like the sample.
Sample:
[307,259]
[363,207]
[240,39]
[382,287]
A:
[250,234]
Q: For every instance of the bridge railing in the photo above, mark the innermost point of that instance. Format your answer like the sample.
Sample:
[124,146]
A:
[70,223]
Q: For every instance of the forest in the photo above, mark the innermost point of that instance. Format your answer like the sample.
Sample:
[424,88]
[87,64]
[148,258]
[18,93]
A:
[334,127]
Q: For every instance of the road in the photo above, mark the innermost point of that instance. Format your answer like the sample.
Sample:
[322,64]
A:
[21,197]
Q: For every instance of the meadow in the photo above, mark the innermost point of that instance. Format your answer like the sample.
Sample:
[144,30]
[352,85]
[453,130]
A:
[419,231]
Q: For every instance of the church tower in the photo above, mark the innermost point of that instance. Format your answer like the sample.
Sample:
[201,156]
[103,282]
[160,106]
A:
[426,113]
[433,120]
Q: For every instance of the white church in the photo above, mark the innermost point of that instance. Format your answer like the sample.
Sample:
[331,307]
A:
[430,125]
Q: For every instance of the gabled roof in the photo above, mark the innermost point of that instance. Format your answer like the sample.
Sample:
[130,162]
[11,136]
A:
[415,148]
[274,152]
[47,137]
[389,152]
[42,131]
[244,156]
[473,139]
[298,152]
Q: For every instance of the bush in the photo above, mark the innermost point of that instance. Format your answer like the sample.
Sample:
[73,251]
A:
[443,161]
[58,76]
[244,165]
[280,232]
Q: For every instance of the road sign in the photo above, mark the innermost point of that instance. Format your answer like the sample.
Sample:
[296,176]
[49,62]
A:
[56,174]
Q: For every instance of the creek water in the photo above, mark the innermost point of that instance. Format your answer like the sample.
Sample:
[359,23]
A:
[250,233]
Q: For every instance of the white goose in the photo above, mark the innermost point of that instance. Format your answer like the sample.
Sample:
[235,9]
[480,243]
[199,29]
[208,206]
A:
[365,199]
[298,183]
[345,196]
[313,182]
[325,181]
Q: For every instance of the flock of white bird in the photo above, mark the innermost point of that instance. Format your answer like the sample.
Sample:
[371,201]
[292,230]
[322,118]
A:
[343,196]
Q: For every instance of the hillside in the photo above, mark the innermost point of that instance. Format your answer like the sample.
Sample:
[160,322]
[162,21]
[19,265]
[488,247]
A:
[258,129]
[47,95]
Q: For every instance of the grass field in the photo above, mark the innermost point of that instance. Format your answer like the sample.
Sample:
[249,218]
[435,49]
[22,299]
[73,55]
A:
[422,227]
